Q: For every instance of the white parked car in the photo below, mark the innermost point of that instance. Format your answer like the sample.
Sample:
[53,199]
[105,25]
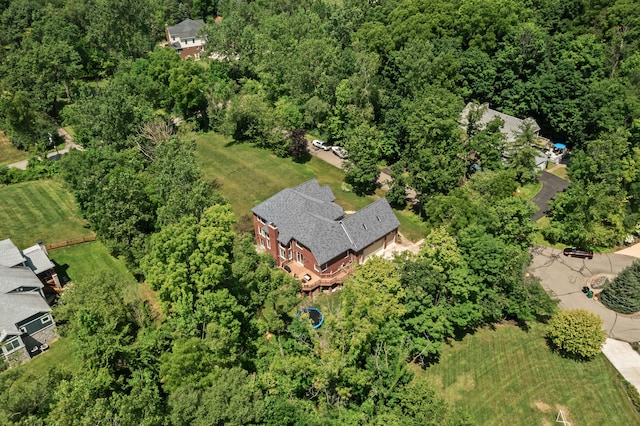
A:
[340,151]
[321,145]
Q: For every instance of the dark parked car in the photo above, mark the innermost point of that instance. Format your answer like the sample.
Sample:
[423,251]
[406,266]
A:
[578,252]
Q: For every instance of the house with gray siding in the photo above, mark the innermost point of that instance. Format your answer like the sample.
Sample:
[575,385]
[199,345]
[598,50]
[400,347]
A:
[26,323]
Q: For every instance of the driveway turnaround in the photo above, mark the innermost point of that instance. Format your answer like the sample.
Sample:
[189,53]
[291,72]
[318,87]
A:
[565,277]
[551,185]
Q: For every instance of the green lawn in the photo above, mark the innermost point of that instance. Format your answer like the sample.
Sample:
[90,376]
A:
[39,211]
[509,376]
[80,261]
[530,190]
[8,153]
[248,175]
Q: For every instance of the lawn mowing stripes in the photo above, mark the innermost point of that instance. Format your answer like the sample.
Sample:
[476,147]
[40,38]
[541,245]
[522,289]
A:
[508,370]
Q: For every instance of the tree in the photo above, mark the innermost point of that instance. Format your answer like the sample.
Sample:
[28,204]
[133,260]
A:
[98,321]
[522,155]
[298,144]
[577,333]
[623,293]
[108,116]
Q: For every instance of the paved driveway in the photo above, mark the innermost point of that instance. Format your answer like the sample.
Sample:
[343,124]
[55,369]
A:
[327,156]
[565,277]
[551,185]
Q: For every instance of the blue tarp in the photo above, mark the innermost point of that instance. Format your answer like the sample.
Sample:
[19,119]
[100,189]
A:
[559,145]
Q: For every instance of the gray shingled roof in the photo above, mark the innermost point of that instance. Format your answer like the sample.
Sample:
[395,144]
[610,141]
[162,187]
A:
[371,223]
[15,307]
[186,29]
[16,277]
[308,214]
[37,259]
[512,125]
[9,254]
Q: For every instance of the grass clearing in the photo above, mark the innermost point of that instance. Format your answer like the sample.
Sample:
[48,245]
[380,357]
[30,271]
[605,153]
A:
[530,190]
[509,376]
[9,153]
[39,211]
[58,355]
[81,261]
[248,175]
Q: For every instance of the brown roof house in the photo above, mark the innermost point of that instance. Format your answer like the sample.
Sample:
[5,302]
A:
[311,237]
[26,324]
[185,39]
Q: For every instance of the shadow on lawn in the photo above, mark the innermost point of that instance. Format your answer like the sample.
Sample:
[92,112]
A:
[62,272]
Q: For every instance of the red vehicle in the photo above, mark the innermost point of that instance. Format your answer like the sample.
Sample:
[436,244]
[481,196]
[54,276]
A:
[578,252]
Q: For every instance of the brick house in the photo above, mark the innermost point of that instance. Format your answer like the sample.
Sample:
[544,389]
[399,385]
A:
[311,237]
[26,324]
[184,38]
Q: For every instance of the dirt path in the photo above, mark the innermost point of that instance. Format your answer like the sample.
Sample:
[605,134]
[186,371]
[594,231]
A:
[69,144]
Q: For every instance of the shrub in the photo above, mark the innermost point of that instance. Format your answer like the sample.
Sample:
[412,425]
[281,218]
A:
[633,395]
[623,294]
[577,333]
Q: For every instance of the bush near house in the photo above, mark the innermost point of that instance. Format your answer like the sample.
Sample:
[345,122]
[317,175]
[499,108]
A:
[623,294]
[577,333]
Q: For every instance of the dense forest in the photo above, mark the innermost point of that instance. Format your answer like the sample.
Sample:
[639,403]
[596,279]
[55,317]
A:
[385,79]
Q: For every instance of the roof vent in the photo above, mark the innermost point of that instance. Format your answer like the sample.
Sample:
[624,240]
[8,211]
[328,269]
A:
[364,226]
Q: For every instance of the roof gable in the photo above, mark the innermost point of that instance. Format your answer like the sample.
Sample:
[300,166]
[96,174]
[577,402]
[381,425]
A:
[307,214]
[9,254]
[37,258]
[12,279]
[512,126]
[186,29]
[16,307]
[371,223]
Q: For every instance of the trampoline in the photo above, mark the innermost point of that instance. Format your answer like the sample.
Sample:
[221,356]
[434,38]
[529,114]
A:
[317,319]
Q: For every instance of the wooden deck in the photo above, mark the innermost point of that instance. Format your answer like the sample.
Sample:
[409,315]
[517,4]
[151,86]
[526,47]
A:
[312,281]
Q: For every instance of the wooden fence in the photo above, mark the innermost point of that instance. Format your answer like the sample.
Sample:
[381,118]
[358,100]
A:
[70,242]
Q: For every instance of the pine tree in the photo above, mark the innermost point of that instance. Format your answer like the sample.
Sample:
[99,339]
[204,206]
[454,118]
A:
[623,294]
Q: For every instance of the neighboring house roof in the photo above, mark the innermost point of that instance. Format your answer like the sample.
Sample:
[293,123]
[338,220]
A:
[512,125]
[37,258]
[308,214]
[12,279]
[187,29]
[9,254]
[16,305]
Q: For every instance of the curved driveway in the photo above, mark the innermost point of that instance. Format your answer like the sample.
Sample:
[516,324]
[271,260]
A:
[565,277]
[551,185]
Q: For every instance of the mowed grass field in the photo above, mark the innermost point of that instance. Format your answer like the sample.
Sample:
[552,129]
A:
[508,376]
[39,211]
[8,153]
[81,261]
[248,175]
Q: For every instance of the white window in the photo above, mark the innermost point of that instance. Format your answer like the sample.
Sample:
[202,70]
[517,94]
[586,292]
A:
[268,243]
[263,232]
[299,258]
[283,253]
[290,254]
[46,320]
[261,242]
[320,269]
[12,345]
